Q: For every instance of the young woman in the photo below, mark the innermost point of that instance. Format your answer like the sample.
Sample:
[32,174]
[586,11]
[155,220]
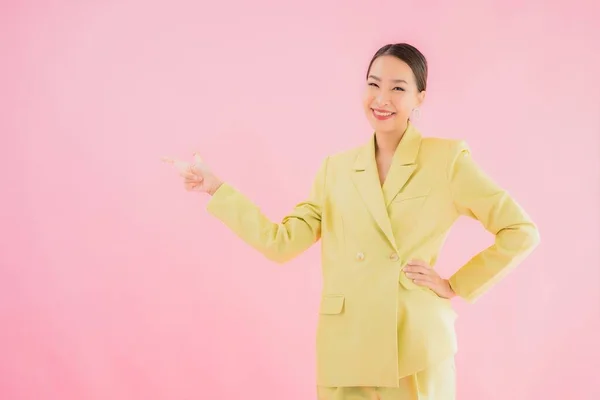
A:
[382,212]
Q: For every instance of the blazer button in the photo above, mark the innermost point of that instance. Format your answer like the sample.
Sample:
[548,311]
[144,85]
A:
[394,257]
[360,256]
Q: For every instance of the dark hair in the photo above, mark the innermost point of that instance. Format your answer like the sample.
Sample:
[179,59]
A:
[410,55]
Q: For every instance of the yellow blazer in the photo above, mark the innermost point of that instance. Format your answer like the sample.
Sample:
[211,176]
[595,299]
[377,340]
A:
[376,325]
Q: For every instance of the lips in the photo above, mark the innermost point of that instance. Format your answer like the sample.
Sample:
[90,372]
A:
[382,114]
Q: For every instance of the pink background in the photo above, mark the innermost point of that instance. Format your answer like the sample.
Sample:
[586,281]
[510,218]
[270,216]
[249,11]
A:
[116,284]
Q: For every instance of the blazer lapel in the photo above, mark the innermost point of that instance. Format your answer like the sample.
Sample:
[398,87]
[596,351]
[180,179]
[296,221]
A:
[366,177]
[366,180]
[403,164]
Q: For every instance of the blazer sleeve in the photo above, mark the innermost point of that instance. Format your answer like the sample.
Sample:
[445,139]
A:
[278,241]
[477,196]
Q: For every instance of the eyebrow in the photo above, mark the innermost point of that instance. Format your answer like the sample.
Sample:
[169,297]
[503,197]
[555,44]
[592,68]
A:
[393,80]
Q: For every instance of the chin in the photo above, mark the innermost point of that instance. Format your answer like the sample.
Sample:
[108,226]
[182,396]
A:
[383,126]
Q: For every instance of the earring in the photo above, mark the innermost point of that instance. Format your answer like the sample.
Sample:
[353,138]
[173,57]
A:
[416,114]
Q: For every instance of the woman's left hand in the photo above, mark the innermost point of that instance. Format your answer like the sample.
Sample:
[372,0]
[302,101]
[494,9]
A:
[422,274]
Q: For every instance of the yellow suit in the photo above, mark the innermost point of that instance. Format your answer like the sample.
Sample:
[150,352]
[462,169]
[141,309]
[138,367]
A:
[376,325]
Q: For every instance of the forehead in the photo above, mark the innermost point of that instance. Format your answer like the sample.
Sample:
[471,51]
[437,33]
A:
[391,68]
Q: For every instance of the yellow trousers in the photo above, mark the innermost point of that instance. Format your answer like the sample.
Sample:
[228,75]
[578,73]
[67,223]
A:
[437,382]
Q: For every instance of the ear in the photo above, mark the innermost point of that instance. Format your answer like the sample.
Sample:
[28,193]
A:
[421,97]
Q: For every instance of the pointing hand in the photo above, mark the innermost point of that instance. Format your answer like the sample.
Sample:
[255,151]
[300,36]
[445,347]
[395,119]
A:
[197,175]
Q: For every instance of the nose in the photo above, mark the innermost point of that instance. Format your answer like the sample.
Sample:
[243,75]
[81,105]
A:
[382,98]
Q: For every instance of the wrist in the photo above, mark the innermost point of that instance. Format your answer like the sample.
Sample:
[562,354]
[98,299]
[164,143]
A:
[214,188]
[450,289]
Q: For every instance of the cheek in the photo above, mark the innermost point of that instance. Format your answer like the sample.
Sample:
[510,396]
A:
[402,104]
[368,99]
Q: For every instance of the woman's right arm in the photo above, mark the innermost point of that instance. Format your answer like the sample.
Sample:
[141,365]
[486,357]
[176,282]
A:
[278,241]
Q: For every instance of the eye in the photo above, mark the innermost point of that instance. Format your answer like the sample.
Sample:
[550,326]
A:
[399,88]
[373,84]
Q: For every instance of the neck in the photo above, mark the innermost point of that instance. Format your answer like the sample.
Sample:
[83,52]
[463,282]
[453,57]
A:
[387,142]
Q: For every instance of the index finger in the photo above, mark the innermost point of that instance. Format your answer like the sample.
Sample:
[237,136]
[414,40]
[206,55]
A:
[419,263]
[417,268]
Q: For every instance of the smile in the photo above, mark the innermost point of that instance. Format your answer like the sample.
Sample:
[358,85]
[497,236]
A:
[382,114]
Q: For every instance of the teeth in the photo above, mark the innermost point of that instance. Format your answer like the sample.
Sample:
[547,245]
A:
[382,114]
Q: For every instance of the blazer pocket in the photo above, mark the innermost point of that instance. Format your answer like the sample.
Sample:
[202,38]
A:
[411,196]
[332,304]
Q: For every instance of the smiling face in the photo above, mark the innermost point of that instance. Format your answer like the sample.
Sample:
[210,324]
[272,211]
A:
[391,94]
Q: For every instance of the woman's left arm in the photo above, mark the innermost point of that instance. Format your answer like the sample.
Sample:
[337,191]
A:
[477,196]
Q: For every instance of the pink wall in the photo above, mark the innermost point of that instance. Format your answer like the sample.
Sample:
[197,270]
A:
[115,284]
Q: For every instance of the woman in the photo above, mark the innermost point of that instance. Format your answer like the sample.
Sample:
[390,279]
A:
[382,212]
